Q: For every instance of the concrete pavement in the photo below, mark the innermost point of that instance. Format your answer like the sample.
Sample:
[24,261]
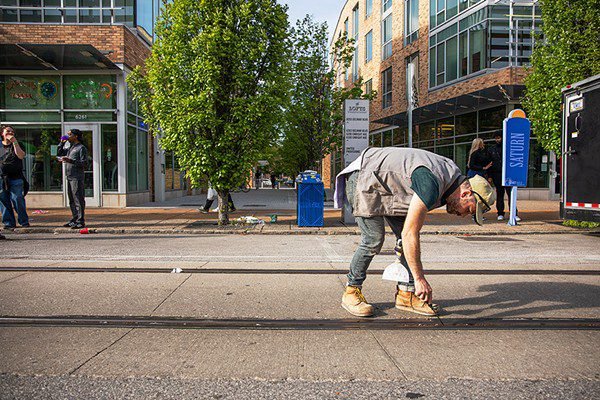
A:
[539,279]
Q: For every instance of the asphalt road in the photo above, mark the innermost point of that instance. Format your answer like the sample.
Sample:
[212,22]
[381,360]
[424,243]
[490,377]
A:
[104,316]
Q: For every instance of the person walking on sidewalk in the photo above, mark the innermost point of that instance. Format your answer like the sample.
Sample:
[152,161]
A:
[13,187]
[399,186]
[74,155]
[210,198]
[495,173]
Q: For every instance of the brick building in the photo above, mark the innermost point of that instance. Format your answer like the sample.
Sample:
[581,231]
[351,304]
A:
[469,59]
[63,65]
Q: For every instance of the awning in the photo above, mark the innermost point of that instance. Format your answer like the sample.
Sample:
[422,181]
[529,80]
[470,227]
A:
[53,57]
[484,98]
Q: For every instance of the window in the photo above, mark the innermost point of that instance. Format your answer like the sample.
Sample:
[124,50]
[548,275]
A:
[368,7]
[110,173]
[137,148]
[386,34]
[347,33]
[387,4]
[386,88]
[174,176]
[69,11]
[464,4]
[369,46]
[90,92]
[411,20]
[443,55]
[477,47]
[146,14]
[441,11]
[386,138]
[41,168]
[369,87]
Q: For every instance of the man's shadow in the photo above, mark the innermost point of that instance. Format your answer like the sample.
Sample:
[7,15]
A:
[516,299]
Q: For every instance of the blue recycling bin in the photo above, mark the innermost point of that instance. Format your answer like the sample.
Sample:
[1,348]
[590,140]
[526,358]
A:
[310,199]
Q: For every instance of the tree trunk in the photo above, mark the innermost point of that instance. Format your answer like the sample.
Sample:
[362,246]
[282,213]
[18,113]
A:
[223,207]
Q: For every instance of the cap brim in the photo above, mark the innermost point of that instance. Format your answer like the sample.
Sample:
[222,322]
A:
[479,214]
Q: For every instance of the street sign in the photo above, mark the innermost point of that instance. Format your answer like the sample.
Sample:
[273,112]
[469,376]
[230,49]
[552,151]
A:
[356,129]
[515,156]
[515,149]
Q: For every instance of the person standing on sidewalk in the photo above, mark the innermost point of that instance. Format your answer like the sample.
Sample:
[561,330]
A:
[479,160]
[75,156]
[399,186]
[13,187]
[495,173]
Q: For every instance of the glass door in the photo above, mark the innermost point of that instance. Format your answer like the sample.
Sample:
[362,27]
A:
[91,140]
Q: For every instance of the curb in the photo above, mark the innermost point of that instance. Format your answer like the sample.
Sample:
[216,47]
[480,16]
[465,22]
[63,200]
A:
[253,231]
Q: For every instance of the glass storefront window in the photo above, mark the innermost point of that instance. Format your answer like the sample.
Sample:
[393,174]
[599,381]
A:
[490,121]
[109,152]
[426,133]
[400,136]
[30,117]
[466,123]
[169,161]
[90,92]
[42,169]
[142,158]
[446,151]
[387,138]
[537,177]
[376,139]
[132,159]
[30,92]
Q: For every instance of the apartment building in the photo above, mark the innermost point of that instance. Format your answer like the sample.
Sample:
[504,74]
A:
[458,65]
[63,65]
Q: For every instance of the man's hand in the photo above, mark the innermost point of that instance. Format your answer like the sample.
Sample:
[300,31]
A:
[423,290]
[66,160]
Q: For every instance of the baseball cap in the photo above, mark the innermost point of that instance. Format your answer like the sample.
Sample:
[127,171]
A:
[485,196]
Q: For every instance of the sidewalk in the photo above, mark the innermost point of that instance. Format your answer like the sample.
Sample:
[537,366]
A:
[182,216]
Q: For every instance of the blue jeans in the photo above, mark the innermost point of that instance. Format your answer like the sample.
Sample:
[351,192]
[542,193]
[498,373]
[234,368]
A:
[471,173]
[372,236]
[10,199]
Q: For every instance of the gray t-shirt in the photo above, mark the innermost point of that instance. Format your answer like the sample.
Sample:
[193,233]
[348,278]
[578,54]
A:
[79,154]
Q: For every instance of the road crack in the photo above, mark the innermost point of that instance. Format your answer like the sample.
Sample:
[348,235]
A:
[100,352]
[171,294]
[389,356]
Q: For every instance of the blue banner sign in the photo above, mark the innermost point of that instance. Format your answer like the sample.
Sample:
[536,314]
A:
[515,149]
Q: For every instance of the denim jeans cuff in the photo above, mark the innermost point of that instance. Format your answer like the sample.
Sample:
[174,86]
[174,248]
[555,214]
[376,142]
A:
[406,287]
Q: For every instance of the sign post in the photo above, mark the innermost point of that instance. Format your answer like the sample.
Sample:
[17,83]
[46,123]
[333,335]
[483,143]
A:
[515,156]
[356,129]
[356,139]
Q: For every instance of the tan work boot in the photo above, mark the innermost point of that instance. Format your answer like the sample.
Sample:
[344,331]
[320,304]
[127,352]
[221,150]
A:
[355,303]
[408,301]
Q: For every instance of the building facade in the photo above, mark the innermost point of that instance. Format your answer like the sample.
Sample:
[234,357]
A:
[458,65]
[63,65]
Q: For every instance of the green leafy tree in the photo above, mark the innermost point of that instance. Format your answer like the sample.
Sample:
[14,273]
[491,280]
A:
[568,52]
[313,118]
[213,86]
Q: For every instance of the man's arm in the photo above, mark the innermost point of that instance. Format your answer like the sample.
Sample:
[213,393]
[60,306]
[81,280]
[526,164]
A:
[61,151]
[18,150]
[411,246]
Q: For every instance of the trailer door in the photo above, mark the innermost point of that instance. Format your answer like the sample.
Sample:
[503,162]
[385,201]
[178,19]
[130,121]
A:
[582,152]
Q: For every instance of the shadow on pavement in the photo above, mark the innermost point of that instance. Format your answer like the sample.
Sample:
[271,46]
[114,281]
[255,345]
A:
[524,299]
